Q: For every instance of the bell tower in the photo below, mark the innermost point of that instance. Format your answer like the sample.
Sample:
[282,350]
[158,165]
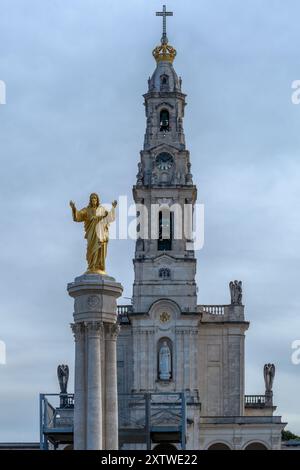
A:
[168,345]
[164,193]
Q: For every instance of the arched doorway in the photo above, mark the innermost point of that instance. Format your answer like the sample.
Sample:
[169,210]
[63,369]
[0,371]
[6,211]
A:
[164,447]
[69,447]
[219,446]
[256,446]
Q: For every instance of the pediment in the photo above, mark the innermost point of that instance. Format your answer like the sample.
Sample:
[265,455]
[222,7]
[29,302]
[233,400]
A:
[162,418]
[164,260]
[165,418]
[169,148]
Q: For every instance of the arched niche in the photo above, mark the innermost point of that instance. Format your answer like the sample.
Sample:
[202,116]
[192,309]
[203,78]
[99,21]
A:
[165,359]
[164,447]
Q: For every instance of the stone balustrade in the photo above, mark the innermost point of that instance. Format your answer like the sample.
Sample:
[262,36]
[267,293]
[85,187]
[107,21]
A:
[212,309]
[255,401]
[124,309]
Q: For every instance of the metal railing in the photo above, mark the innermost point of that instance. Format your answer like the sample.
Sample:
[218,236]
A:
[55,417]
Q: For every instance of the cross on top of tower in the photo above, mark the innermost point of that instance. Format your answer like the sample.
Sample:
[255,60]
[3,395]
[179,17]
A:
[164,52]
[164,14]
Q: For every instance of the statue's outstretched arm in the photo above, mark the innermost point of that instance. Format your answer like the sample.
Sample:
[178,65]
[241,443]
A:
[111,215]
[78,216]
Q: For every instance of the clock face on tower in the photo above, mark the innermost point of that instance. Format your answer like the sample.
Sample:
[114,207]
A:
[164,161]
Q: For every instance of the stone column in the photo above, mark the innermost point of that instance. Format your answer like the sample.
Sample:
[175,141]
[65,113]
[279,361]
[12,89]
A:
[94,391]
[95,311]
[112,429]
[79,409]
[135,356]
[186,359]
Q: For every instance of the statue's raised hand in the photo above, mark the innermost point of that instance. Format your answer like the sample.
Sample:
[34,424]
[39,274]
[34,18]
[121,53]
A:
[72,205]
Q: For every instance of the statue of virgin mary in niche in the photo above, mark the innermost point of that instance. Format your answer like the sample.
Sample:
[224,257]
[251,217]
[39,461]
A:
[164,362]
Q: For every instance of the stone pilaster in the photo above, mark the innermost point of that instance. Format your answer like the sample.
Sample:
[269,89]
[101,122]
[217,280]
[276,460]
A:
[111,432]
[186,358]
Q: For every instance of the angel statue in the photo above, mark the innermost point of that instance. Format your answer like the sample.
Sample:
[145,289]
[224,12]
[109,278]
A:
[236,292]
[63,377]
[269,374]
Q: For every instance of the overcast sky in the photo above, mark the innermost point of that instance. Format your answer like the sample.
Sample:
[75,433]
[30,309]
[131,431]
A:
[75,72]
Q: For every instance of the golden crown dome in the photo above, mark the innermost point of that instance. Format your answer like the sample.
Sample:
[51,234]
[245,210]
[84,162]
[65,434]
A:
[164,53]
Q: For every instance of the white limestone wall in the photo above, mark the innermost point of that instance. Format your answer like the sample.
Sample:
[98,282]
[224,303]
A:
[238,437]
[147,331]
[221,368]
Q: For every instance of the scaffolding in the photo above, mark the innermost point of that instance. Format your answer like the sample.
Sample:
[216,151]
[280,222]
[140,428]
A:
[152,418]
[56,420]
[145,419]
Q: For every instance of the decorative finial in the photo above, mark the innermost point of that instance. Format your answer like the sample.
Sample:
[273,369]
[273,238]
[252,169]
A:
[164,52]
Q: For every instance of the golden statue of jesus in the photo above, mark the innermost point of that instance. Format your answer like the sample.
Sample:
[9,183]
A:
[96,225]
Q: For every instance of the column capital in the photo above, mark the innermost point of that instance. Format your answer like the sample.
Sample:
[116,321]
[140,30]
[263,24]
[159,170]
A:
[78,330]
[113,331]
[94,328]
